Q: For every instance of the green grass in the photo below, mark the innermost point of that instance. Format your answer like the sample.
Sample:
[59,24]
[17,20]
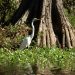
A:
[53,57]
[71,17]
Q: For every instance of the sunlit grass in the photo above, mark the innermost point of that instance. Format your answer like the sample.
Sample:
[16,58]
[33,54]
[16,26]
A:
[71,17]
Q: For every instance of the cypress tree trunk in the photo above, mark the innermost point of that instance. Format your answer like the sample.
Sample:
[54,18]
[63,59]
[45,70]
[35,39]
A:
[68,33]
[46,35]
[53,28]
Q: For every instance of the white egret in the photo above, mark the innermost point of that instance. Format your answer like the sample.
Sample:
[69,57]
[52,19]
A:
[27,40]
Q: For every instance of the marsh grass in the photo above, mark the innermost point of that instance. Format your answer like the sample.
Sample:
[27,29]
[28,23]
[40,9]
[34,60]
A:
[19,60]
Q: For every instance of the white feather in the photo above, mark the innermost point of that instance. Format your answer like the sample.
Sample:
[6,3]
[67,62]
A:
[27,40]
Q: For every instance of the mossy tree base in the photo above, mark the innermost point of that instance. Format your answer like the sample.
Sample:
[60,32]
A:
[53,28]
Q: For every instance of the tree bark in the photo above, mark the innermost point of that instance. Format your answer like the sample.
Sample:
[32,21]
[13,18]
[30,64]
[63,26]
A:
[66,26]
[47,38]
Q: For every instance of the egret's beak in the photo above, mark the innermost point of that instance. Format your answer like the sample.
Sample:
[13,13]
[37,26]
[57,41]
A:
[35,19]
[38,19]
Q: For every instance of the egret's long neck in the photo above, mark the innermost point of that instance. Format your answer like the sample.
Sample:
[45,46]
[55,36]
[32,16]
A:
[33,30]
